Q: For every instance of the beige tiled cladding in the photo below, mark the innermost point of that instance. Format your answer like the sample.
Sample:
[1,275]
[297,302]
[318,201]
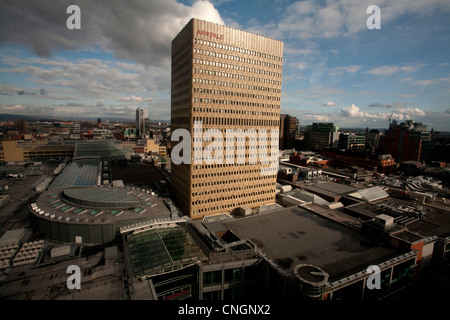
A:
[227,79]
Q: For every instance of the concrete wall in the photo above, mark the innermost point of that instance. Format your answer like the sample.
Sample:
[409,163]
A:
[66,232]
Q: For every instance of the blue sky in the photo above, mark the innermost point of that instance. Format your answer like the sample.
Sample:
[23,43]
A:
[335,69]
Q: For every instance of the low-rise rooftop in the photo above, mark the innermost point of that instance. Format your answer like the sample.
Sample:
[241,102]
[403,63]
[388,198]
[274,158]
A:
[293,236]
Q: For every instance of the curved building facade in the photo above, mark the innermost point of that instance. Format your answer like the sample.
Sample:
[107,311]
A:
[93,215]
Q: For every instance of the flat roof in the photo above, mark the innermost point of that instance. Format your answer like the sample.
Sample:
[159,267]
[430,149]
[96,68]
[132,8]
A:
[333,187]
[103,149]
[360,261]
[321,192]
[293,236]
[367,210]
[435,223]
[12,237]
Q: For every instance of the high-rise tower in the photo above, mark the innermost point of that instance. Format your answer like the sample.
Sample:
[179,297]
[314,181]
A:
[225,81]
[142,122]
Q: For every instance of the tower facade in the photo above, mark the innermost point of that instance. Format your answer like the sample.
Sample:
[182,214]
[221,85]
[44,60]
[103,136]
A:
[142,122]
[226,92]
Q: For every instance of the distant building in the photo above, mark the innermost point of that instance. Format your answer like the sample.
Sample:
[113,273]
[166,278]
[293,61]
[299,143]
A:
[71,127]
[142,123]
[11,151]
[130,134]
[149,146]
[306,158]
[288,131]
[102,134]
[345,159]
[21,125]
[404,141]
[319,136]
[373,138]
[351,141]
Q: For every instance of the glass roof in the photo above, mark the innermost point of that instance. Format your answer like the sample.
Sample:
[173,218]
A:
[77,174]
[161,250]
[99,149]
[101,197]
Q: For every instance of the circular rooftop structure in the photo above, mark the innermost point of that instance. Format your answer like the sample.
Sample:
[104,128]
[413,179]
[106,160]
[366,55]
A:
[312,279]
[103,198]
[94,214]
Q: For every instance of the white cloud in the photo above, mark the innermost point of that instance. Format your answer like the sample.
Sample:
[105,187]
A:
[314,92]
[346,69]
[335,18]
[354,111]
[353,117]
[308,117]
[388,70]
[424,82]
[269,29]
[12,108]
[384,70]
[406,95]
[301,65]
[296,51]
[329,104]
[406,113]
[429,81]
[135,99]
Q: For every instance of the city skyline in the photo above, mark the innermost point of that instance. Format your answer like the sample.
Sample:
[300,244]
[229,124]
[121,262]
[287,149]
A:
[334,68]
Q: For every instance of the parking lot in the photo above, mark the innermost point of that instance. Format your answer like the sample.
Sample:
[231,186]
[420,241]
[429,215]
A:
[20,189]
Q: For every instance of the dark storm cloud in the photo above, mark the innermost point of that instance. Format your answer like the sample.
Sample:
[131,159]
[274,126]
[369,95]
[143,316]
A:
[69,104]
[137,30]
[25,93]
